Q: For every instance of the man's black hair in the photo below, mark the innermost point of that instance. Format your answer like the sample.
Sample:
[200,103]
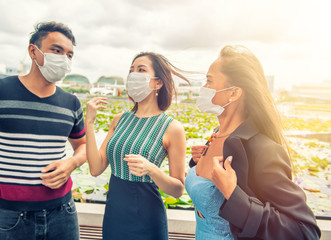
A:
[44,28]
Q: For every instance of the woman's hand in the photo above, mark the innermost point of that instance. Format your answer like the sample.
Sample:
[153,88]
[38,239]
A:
[224,179]
[197,152]
[138,165]
[92,107]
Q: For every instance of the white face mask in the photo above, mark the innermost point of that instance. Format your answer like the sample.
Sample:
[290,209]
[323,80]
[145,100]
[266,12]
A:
[55,67]
[138,86]
[205,98]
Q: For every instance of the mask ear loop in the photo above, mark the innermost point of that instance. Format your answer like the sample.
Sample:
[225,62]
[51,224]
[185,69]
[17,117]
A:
[225,89]
[35,60]
[39,50]
[227,104]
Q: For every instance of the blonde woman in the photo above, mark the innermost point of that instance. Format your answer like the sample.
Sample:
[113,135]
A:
[241,185]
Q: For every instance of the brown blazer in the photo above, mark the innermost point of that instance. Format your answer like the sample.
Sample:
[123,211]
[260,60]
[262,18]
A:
[265,204]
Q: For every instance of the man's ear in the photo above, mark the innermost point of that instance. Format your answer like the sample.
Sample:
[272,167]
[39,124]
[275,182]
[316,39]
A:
[32,51]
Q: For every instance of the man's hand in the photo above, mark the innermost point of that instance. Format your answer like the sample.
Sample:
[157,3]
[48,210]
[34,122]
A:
[57,173]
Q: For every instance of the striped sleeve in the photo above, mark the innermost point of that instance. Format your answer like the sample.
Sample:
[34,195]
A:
[78,129]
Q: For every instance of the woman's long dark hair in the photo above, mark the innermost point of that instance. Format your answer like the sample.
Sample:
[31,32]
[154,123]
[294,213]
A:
[163,70]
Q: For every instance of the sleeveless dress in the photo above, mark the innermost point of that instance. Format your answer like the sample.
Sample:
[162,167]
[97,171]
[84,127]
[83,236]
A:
[134,207]
[208,200]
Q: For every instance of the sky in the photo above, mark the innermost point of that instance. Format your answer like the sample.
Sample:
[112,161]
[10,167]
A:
[291,38]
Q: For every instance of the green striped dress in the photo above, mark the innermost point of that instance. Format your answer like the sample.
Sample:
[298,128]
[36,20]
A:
[134,135]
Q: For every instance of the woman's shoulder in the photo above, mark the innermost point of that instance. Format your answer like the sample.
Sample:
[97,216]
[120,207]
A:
[118,116]
[166,116]
[262,143]
[175,125]
[261,140]
[261,147]
[174,131]
[116,119]
[124,114]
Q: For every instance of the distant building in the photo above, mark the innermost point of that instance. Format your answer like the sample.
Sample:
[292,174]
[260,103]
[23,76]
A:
[108,85]
[8,71]
[184,90]
[25,68]
[12,71]
[271,82]
[106,81]
[76,81]
[2,68]
[316,91]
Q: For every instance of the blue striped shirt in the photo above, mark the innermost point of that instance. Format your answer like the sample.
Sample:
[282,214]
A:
[33,134]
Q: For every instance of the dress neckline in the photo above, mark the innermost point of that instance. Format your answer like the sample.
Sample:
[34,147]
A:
[202,178]
[134,114]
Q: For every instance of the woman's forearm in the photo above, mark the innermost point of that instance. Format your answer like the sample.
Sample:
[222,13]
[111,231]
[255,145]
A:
[94,158]
[169,185]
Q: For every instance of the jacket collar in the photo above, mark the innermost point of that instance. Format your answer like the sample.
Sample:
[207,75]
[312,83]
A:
[246,130]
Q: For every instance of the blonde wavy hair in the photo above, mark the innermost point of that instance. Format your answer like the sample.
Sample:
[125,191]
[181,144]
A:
[244,70]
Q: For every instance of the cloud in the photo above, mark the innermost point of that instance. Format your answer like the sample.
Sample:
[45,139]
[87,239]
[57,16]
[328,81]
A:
[168,24]
[188,32]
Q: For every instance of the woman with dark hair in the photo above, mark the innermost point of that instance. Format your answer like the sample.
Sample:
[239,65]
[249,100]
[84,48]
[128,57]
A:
[240,181]
[136,144]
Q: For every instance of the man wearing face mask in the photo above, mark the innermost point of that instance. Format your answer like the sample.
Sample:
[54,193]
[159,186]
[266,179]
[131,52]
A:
[36,120]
